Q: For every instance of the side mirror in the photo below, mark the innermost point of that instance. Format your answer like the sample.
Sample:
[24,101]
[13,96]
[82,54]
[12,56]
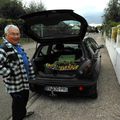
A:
[100,46]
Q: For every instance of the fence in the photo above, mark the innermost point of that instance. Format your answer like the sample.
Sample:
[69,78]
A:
[113,47]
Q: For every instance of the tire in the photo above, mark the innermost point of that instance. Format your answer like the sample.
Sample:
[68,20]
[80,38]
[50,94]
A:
[94,92]
[94,96]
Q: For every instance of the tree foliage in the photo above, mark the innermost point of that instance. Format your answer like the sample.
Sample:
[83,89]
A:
[35,7]
[2,2]
[112,12]
[12,9]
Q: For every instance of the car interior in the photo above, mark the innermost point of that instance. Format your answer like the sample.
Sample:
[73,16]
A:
[52,58]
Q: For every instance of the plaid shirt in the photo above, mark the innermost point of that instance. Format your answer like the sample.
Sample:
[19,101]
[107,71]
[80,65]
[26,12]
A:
[13,71]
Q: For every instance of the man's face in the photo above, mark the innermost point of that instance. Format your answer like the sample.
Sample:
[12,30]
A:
[13,36]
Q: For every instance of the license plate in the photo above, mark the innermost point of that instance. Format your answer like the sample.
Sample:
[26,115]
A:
[56,89]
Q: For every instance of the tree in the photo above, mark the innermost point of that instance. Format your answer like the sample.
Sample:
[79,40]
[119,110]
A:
[12,9]
[112,12]
[2,2]
[34,7]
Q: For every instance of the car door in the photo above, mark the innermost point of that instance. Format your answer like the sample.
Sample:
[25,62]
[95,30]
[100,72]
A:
[94,54]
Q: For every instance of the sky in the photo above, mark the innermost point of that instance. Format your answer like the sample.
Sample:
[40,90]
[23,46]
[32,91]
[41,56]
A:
[92,10]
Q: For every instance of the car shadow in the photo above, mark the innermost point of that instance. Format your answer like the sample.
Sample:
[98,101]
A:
[68,98]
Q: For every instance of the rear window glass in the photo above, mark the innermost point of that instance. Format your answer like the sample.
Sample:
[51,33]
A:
[61,29]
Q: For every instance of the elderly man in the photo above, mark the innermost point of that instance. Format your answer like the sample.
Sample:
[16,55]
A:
[16,70]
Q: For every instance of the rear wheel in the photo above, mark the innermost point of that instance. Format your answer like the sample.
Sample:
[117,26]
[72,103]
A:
[94,96]
[93,93]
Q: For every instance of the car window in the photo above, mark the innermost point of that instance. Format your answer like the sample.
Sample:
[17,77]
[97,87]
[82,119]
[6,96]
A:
[60,29]
[87,49]
[75,46]
[44,50]
[68,49]
[92,44]
[65,46]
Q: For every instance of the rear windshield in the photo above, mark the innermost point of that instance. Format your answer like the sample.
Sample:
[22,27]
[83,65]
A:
[66,28]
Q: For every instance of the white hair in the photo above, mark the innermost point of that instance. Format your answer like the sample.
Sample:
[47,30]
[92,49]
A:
[8,27]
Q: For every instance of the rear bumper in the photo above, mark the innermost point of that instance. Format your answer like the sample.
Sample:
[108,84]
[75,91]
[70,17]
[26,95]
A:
[73,85]
[63,82]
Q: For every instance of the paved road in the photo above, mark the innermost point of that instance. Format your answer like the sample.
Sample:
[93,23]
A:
[106,107]
[5,99]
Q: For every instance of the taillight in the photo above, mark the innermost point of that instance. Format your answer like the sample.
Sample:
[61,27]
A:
[81,88]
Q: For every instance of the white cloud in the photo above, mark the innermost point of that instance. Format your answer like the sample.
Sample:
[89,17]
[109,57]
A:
[82,7]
